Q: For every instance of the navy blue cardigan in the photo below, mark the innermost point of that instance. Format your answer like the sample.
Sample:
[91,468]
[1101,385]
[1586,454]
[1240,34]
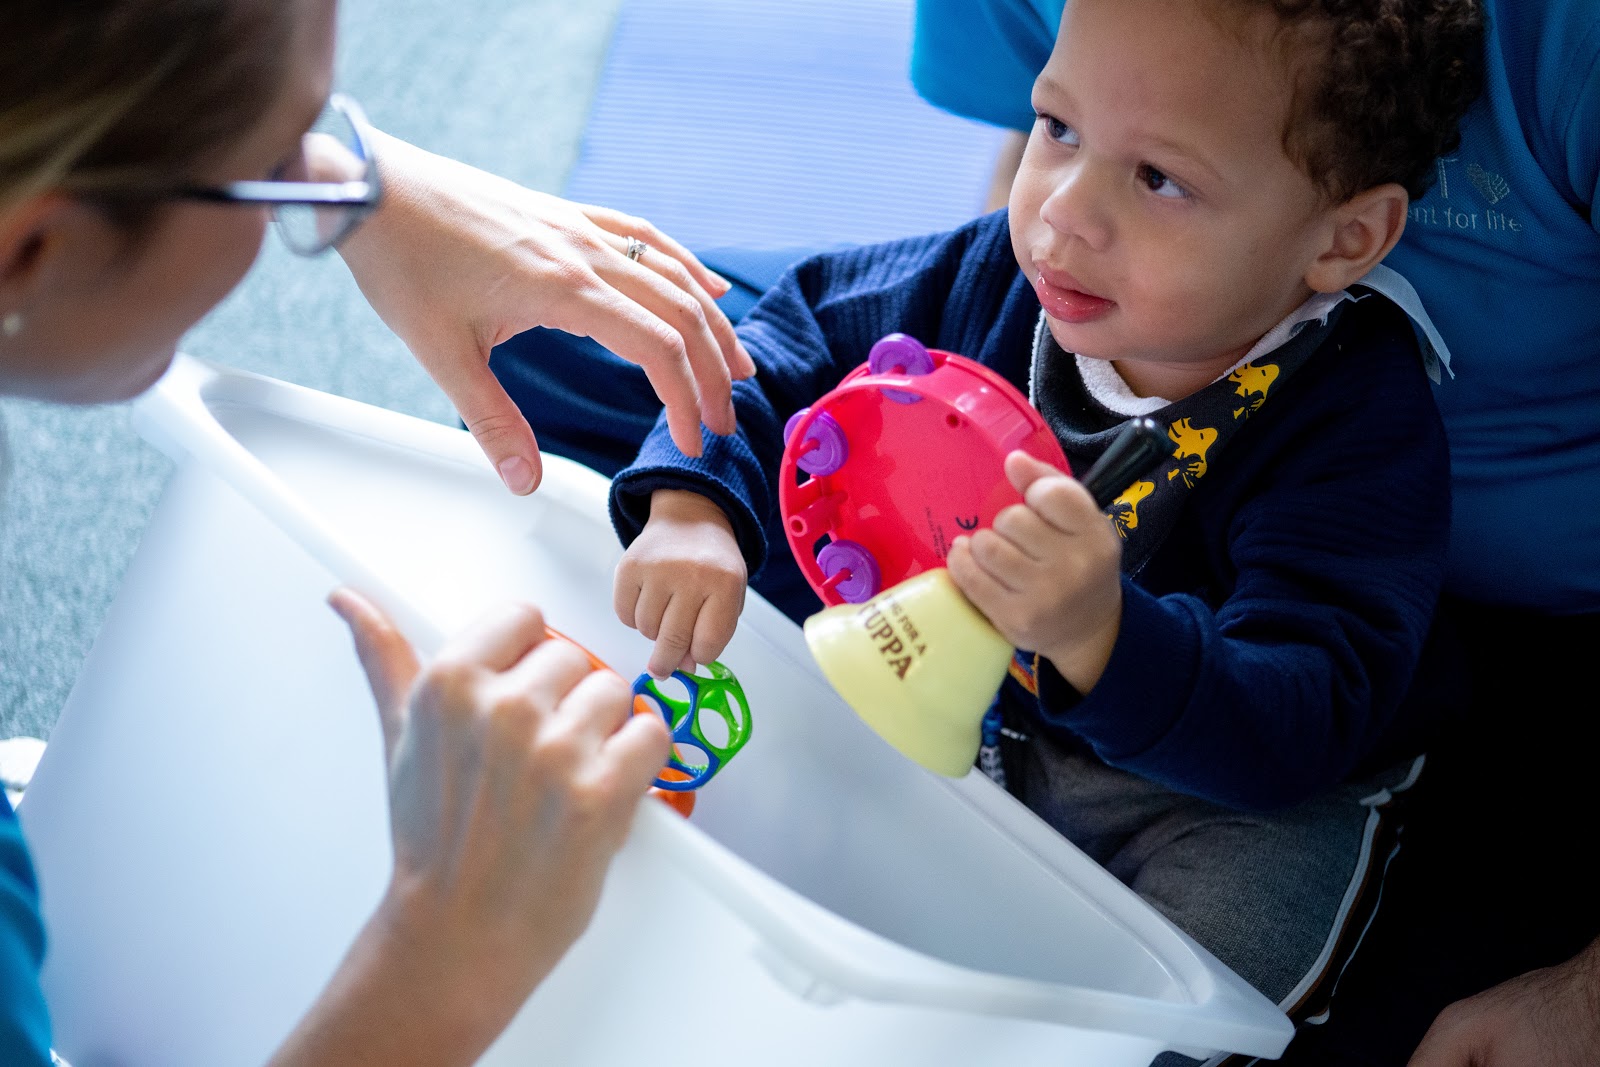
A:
[1266,647]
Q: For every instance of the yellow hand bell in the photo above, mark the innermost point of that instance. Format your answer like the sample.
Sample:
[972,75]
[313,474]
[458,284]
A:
[919,663]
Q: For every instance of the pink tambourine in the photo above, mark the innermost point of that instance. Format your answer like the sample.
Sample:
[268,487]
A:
[905,455]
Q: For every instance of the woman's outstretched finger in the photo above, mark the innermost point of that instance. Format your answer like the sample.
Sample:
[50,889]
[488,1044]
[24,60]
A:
[386,656]
[680,310]
[638,336]
[735,359]
[490,415]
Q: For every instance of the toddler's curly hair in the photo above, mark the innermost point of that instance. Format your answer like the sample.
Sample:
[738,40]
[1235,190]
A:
[1380,86]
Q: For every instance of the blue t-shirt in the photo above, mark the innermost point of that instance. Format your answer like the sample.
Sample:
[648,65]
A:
[24,1023]
[1504,251]
[979,59]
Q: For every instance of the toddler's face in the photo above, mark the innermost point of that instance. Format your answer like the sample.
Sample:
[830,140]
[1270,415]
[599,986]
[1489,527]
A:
[1156,212]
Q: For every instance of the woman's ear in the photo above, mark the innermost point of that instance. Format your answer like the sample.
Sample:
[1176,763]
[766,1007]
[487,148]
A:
[1364,228]
[30,231]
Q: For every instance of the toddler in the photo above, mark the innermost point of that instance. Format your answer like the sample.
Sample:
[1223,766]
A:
[1208,699]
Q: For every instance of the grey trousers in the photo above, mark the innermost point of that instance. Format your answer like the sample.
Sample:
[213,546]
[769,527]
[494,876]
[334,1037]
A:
[1281,898]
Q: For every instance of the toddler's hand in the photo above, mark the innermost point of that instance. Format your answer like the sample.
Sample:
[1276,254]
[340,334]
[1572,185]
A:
[1048,573]
[682,582]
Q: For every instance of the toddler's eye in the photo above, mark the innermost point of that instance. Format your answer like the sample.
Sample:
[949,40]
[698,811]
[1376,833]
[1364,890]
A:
[1058,131]
[1157,182]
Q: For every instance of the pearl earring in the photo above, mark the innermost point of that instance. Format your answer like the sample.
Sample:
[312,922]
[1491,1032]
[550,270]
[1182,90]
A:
[11,325]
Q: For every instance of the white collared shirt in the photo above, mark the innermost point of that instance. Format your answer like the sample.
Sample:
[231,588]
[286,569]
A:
[1108,389]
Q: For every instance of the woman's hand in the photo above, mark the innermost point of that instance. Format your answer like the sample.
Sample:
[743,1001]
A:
[1048,573]
[456,261]
[514,773]
[681,583]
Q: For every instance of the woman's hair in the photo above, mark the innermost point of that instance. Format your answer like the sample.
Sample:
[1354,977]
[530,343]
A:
[1380,86]
[103,96]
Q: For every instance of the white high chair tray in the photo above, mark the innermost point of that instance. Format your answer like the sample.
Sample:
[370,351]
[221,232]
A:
[210,829]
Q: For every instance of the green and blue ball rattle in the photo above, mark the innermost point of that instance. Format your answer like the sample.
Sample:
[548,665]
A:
[719,696]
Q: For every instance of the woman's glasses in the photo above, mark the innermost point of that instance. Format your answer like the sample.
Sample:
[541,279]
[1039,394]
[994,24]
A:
[322,194]
[317,197]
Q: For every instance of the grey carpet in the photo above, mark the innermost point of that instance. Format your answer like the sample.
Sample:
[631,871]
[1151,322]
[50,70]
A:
[502,84]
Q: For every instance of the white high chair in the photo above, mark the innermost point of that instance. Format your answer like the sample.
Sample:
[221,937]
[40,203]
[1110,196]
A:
[210,829]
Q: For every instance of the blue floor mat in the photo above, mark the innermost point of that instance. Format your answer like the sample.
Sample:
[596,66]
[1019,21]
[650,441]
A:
[776,123]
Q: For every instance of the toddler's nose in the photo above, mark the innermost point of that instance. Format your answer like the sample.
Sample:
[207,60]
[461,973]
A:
[1078,205]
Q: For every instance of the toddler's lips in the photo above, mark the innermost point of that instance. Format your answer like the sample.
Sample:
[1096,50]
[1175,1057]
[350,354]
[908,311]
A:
[1070,305]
